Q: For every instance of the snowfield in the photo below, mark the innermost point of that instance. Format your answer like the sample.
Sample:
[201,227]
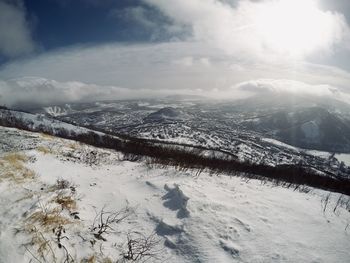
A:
[35,121]
[53,190]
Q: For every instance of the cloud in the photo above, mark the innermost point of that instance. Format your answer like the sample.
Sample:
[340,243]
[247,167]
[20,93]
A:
[170,66]
[137,14]
[221,53]
[266,86]
[35,92]
[132,66]
[190,62]
[150,20]
[259,29]
[15,35]
[290,88]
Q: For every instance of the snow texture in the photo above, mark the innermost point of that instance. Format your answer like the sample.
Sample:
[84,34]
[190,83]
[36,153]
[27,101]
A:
[202,218]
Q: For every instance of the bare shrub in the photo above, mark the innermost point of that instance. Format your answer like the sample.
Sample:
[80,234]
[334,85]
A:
[325,202]
[59,233]
[62,184]
[343,201]
[105,221]
[142,248]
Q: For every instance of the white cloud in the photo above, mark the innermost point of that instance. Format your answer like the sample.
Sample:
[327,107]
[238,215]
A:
[266,86]
[287,87]
[190,61]
[34,91]
[221,55]
[258,29]
[148,66]
[166,66]
[15,35]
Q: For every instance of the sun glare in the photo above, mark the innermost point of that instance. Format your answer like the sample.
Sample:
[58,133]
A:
[293,27]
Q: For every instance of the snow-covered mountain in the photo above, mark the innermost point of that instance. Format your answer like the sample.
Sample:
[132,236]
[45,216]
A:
[40,123]
[315,128]
[52,193]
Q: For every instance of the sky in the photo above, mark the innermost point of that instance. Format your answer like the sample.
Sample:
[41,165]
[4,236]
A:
[57,51]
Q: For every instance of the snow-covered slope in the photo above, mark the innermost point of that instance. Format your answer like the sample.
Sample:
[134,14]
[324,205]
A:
[38,122]
[49,184]
[55,111]
[310,128]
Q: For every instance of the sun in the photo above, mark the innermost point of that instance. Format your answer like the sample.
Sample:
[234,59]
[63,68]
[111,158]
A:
[292,27]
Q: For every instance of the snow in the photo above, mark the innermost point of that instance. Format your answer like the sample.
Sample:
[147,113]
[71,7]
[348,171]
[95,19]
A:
[55,111]
[34,121]
[203,218]
[279,143]
[342,157]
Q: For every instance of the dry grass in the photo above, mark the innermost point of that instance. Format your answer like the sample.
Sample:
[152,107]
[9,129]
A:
[47,136]
[13,157]
[43,149]
[73,146]
[66,202]
[12,168]
[95,259]
[47,219]
[91,259]
[29,195]
[41,245]
[18,177]
[42,223]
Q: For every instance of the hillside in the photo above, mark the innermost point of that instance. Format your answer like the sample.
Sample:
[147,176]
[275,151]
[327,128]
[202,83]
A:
[52,189]
[312,128]
[312,169]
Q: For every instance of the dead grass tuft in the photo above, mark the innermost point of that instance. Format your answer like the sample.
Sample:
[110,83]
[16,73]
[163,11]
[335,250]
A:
[107,260]
[47,220]
[94,259]
[91,259]
[43,249]
[47,136]
[12,168]
[19,176]
[73,146]
[14,158]
[43,149]
[66,202]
